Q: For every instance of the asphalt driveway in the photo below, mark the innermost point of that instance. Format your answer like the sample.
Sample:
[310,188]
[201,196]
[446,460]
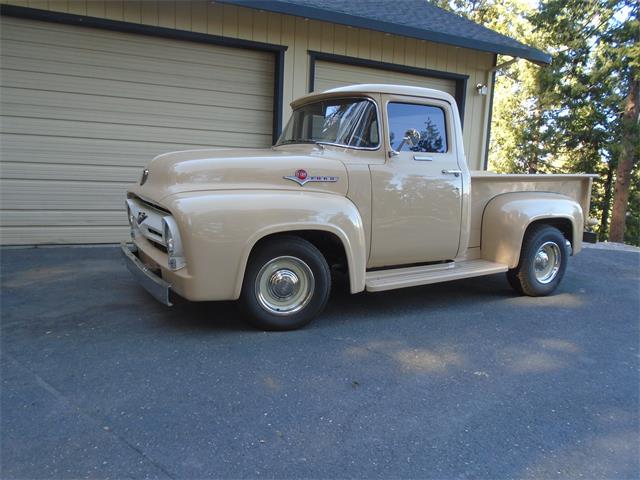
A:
[458,380]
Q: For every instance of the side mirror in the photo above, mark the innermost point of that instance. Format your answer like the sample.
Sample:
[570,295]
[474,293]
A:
[411,138]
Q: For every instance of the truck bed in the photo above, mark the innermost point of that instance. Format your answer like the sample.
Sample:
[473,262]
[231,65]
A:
[486,185]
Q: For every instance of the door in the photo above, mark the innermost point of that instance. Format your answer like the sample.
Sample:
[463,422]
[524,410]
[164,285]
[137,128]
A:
[83,110]
[417,192]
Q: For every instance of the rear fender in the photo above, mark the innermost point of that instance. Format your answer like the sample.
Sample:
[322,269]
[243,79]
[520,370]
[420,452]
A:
[506,218]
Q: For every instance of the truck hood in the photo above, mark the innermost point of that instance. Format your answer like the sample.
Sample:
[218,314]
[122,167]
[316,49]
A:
[242,169]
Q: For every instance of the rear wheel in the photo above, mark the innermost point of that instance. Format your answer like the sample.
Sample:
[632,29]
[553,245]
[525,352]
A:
[543,261]
[287,283]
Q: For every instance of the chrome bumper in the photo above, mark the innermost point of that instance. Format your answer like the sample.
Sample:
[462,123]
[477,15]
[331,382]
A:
[151,282]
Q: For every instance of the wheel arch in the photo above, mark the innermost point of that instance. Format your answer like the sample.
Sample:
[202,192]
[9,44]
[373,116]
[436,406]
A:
[564,224]
[507,218]
[331,240]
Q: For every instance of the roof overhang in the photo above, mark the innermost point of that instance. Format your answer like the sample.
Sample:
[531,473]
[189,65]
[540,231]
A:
[326,15]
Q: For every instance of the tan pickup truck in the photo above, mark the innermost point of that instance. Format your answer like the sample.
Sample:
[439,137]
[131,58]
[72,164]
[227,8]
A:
[370,179]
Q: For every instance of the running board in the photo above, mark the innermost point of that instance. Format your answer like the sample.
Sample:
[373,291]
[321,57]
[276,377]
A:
[380,280]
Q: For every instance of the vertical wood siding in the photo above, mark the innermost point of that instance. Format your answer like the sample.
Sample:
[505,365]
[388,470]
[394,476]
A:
[301,35]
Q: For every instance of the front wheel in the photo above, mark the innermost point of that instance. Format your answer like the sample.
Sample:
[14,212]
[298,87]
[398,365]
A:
[543,261]
[287,283]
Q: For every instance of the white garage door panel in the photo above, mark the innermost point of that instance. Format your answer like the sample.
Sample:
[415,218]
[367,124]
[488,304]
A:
[45,195]
[56,171]
[96,40]
[237,84]
[104,61]
[62,218]
[84,109]
[118,131]
[79,151]
[153,111]
[113,88]
[331,75]
[65,234]
[247,121]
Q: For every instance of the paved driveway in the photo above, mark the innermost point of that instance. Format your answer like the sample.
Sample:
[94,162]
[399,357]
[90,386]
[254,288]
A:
[446,381]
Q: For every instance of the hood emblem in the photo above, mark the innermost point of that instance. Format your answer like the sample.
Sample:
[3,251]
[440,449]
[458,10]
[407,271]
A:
[145,175]
[301,177]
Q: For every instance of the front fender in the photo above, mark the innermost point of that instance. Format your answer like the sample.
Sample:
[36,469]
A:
[219,230]
[506,218]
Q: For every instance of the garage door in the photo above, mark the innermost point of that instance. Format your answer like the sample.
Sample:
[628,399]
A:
[84,109]
[330,75]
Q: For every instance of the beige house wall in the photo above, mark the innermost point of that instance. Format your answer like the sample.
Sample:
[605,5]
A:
[301,35]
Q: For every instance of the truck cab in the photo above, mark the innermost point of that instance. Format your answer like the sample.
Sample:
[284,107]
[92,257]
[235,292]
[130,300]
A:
[372,179]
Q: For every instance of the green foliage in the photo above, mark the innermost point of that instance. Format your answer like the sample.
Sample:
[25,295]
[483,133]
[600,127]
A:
[565,117]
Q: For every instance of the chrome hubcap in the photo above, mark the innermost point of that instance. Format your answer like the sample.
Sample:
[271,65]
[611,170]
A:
[546,262]
[542,260]
[284,285]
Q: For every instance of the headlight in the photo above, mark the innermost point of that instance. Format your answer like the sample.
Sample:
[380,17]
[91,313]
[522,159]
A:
[130,216]
[173,243]
[132,220]
[168,239]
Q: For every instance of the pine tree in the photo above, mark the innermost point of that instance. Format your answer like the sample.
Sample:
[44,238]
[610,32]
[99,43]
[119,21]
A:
[623,52]
[580,114]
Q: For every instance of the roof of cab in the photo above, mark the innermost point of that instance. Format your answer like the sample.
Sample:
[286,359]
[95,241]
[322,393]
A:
[376,88]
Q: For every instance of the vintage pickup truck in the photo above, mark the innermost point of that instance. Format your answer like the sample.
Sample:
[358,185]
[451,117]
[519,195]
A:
[371,179]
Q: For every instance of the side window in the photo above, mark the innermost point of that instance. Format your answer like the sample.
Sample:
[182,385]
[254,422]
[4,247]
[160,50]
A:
[427,120]
[365,135]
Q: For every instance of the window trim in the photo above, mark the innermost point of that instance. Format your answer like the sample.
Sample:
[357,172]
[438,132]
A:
[449,149]
[349,97]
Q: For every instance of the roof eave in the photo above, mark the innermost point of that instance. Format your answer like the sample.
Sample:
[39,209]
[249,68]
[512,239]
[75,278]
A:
[531,54]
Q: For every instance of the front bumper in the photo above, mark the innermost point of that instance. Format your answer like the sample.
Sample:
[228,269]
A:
[151,282]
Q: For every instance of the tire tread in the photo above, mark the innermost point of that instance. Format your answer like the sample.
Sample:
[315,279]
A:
[521,278]
[285,245]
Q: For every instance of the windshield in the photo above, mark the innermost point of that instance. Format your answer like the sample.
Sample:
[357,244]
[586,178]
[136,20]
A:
[350,122]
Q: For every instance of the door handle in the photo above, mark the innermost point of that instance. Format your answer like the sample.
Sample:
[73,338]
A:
[452,172]
[423,158]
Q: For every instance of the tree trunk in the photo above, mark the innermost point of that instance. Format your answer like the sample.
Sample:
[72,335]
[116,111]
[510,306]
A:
[625,163]
[535,139]
[606,203]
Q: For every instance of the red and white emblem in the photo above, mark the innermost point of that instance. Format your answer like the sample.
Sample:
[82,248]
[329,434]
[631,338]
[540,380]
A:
[301,177]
